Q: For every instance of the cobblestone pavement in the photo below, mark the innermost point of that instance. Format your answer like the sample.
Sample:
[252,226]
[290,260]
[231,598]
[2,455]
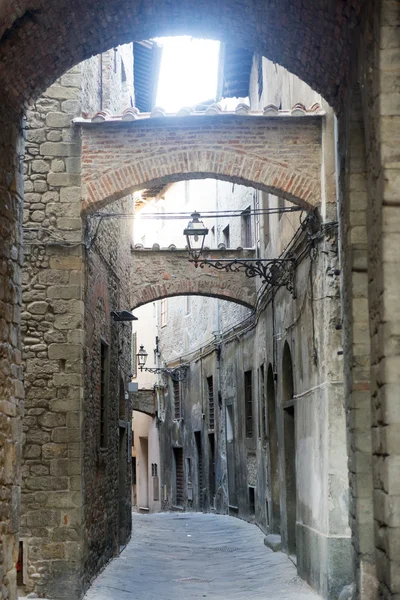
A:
[175,556]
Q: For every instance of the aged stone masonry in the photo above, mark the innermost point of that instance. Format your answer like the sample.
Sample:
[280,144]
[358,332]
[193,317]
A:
[349,52]
[279,152]
[180,278]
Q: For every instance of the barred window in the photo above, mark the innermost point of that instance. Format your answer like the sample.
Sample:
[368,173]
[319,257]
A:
[248,401]
[177,400]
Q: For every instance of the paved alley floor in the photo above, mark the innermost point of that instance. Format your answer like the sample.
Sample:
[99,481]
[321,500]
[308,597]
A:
[183,556]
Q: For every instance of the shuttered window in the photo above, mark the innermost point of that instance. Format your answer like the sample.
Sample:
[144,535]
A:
[177,400]
[178,453]
[211,413]
[248,401]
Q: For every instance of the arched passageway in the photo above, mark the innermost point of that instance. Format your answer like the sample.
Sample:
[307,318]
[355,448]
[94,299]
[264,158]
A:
[158,274]
[319,54]
[313,43]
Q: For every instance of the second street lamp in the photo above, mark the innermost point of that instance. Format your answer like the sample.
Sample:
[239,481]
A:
[177,373]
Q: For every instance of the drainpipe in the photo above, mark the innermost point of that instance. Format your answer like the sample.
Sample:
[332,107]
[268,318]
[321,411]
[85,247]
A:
[101,82]
[157,362]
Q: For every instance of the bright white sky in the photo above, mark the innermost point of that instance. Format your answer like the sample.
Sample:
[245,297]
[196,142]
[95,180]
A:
[188,72]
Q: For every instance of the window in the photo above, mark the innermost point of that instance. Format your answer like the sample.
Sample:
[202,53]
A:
[212,243]
[262,430]
[260,79]
[163,311]
[252,500]
[248,401]
[123,72]
[211,413]
[211,465]
[265,205]
[177,400]
[226,236]
[103,394]
[281,205]
[133,470]
[187,305]
[156,483]
[247,238]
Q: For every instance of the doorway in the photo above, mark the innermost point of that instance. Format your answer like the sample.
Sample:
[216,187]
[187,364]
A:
[143,491]
[200,484]
[289,432]
[230,454]
[275,518]
[123,505]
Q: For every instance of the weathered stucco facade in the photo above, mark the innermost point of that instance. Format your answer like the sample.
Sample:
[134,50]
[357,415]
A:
[239,454]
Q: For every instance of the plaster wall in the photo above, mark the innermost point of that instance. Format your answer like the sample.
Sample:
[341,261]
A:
[278,87]
[308,324]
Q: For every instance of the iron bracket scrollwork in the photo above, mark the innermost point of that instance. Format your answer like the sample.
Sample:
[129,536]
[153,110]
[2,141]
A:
[275,272]
[177,373]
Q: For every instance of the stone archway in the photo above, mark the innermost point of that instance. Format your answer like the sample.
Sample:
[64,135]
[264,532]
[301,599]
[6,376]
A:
[161,274]
[313,43]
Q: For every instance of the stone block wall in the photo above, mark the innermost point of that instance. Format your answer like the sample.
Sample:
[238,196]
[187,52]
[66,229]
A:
[53,341]
[11,385]
[379,77]
[107,466]
[58,426]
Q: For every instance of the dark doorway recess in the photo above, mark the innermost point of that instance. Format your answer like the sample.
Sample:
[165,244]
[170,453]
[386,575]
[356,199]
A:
[211,458]
[273,453]
[179,477]
[200,484]
[289,429]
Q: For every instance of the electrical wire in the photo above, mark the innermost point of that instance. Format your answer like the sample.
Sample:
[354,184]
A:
[213,214]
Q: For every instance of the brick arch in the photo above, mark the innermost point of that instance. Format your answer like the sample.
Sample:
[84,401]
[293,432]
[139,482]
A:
[162,274]
[41,40]
[281,155]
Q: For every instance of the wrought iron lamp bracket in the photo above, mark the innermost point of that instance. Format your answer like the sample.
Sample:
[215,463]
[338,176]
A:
[177,373]
[275,272]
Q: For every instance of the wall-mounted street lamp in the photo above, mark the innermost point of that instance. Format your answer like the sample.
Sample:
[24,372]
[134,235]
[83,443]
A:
[177,373]
[276,272]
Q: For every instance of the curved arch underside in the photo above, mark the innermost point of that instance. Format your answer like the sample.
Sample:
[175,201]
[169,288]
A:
[281,155]
[162,274]
[40,40]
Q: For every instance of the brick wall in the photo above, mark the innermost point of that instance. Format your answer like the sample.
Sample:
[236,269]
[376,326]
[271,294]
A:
[282,155]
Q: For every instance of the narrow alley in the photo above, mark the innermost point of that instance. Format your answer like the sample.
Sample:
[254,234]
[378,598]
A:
[180,556]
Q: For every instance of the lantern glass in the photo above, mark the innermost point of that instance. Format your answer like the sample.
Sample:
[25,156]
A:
[142,356]
[195,233]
